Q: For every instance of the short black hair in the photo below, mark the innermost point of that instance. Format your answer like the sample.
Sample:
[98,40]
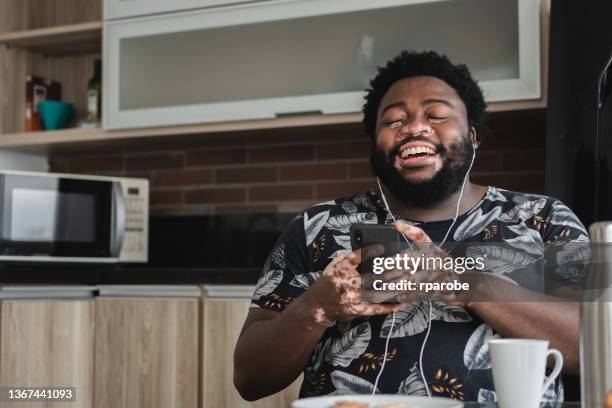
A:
[410,64]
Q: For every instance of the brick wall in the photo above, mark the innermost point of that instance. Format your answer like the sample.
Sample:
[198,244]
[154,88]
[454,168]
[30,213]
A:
[287,170]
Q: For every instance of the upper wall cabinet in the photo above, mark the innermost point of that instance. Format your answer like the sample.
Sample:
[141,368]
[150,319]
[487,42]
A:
[276,58]
[131,8]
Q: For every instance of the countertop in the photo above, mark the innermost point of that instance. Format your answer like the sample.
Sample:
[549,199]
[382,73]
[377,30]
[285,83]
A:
[126,275]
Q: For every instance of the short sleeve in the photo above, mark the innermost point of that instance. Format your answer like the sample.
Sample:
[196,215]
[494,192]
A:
[280,280]
[568,249]
[561,225]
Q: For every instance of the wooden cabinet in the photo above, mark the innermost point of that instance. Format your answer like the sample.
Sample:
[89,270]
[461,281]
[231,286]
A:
[167,348]
[58,41]
[239,65]
[131,8]
[266,60]
[46,343]
[146,353]
[224,310]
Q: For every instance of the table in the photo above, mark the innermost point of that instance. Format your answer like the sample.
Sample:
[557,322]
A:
[494,405]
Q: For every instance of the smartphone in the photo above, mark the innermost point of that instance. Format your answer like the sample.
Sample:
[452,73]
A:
[364,235]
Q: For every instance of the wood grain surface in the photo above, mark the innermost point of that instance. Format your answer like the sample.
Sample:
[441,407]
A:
[146,353]
[45,13]
[222,322]
[48,343]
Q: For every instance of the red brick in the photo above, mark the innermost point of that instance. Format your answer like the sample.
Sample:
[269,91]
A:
[360,170]
[215,195]
[155,161]
[94,164]
[528,182]
[322,171]
[245,174]
[524,129]
[138,174]
[281,193]
[326,191]
[486,162]
[167,197]
[184,177]
[526,160]
[282,153]
[245,209]
[357,149]
[512,139]
[218,156]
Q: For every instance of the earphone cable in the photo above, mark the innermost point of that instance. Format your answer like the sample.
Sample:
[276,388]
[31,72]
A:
[423,349]
[382,367]
[460,197]
[421,369]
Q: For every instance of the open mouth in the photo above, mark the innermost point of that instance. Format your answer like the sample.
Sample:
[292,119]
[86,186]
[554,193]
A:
[416,156]
[418,151]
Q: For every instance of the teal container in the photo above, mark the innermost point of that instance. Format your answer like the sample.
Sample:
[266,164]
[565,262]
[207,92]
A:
[55,114]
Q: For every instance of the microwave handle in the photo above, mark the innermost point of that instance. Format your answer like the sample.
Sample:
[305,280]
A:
[118,219]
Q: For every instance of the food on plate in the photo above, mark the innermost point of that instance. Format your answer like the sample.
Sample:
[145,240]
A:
[353,404]
[395,405]
[350,404]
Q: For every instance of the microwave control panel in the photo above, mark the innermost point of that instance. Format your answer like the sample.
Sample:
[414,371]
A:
[136,235]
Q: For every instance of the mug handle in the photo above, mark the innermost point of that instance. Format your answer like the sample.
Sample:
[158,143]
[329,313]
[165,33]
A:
[556,370]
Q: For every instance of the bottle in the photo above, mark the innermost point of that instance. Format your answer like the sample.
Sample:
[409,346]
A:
[94,94]
[596,321]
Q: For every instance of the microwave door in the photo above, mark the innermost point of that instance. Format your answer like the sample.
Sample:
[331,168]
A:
[118,220]
[51,218]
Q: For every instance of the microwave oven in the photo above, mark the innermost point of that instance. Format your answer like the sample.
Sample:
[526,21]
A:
[52,217]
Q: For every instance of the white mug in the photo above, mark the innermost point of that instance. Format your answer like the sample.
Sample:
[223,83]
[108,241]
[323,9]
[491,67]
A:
[518,371]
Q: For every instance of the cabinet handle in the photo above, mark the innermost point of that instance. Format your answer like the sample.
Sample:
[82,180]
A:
[299,113]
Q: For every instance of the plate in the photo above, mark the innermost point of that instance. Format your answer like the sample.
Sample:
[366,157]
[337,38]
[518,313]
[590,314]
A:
[374,400]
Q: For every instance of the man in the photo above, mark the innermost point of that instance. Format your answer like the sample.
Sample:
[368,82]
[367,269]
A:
[426,118]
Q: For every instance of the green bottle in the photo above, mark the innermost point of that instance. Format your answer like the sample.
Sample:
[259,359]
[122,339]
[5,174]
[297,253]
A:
[94,94]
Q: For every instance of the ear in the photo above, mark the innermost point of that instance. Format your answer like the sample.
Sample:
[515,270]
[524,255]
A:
[474,137]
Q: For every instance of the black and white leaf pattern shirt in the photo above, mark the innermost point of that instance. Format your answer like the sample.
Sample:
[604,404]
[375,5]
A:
[456,359]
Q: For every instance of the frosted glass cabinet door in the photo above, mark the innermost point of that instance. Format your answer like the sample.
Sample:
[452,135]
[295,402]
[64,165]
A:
[131,8]
[268,59]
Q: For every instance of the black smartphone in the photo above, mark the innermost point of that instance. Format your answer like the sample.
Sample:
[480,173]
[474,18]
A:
[365,235]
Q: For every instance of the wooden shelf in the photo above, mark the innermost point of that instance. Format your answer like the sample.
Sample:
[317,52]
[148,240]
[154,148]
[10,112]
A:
[87,138]
[92,137]
[60,40]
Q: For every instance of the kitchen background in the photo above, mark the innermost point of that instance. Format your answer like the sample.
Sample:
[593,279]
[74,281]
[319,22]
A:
[287,170]
[223,186]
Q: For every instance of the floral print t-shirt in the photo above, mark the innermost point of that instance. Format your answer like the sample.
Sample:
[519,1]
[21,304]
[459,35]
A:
[456,361]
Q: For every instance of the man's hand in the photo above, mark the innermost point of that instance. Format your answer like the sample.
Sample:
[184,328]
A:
[337,294]
[424,246]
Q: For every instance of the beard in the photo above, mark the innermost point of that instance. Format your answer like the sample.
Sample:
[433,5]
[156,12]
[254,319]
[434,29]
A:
[448,180]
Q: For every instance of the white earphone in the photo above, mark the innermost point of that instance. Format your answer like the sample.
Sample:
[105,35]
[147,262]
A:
[382,194]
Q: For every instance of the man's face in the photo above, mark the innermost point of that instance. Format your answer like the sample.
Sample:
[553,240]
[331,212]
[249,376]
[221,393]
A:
[423,142]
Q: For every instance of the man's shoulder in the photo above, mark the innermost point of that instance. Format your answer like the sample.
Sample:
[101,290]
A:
[540,209]
[537,204]
[518,197]
[363,202]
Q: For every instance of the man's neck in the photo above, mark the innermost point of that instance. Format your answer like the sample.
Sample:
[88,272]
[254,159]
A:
[443,210]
